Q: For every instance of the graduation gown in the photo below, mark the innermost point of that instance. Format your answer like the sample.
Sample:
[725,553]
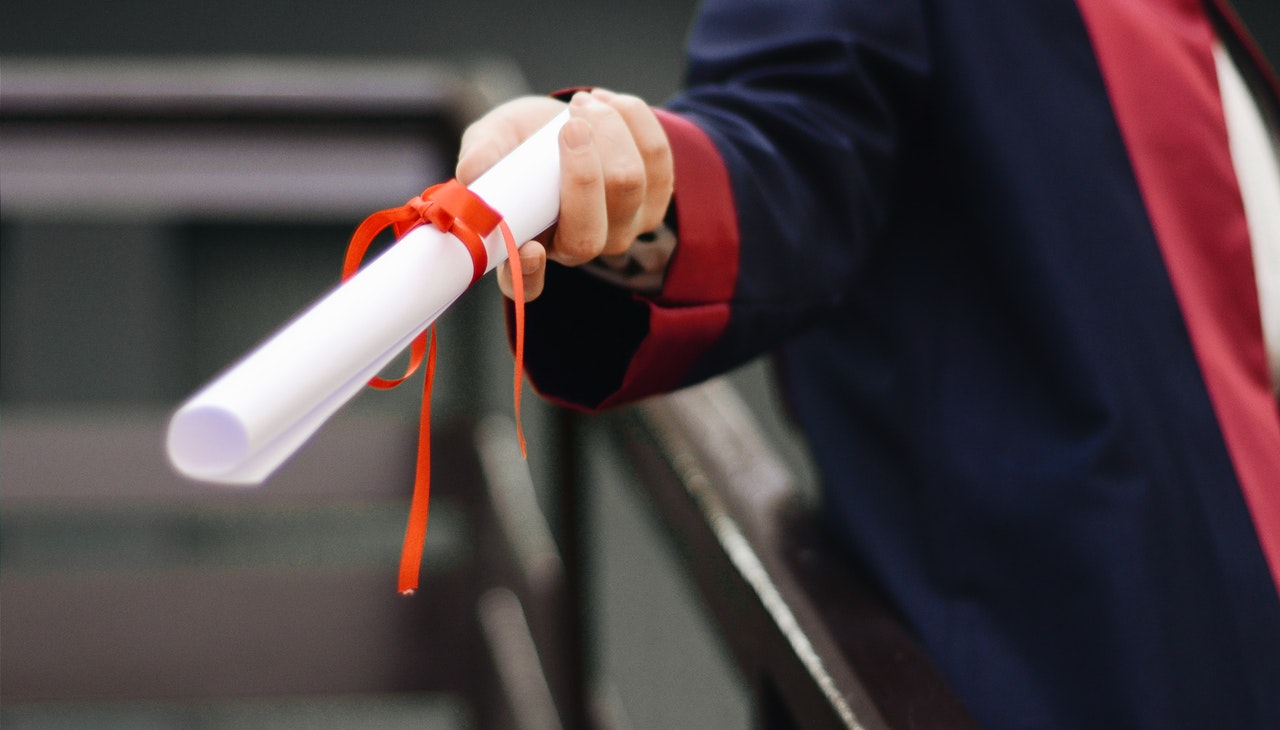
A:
[998,251]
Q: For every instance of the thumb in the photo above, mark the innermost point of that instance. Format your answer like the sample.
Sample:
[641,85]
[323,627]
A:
[533,265]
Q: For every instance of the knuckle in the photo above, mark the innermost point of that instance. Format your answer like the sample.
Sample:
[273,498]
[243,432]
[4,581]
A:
[596,111]
[655,150]
[630,104]
[627,181]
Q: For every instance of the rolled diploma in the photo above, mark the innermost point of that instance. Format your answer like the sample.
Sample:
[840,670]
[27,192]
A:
[248,421]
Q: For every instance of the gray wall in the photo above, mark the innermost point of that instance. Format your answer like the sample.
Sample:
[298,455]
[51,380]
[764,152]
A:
[627,44]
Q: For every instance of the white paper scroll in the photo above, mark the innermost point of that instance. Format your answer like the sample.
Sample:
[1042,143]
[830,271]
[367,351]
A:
[244,424]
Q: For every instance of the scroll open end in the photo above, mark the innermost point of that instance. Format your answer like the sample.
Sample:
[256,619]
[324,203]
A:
[244,424]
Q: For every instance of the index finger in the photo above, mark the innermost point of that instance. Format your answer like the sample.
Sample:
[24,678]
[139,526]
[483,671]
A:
[494,135]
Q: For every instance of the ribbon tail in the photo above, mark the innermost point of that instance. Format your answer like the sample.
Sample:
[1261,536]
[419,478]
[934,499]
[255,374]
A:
[517,290]
[415,535]
[452,209]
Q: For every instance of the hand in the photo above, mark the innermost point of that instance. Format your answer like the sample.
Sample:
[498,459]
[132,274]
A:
[615,167]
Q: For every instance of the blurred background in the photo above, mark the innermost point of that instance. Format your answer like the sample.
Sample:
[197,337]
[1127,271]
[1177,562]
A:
[178,179]
[628,45]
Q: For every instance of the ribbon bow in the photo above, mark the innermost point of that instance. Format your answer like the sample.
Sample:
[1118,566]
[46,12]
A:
[454,209]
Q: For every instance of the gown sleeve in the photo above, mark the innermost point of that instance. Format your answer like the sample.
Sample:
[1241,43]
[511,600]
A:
[785,140]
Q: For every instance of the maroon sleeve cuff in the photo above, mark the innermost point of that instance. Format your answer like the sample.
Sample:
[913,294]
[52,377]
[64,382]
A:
[705,266]
[693,308]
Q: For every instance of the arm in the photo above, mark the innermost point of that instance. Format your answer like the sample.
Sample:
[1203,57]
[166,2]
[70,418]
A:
[783,149]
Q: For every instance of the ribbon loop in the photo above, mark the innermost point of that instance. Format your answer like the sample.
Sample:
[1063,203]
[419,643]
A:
[453,209]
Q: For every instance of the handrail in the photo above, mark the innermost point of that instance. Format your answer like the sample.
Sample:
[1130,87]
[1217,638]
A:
[818,648]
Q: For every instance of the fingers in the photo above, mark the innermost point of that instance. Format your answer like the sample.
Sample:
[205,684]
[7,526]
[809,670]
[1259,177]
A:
[634,179]
[495,134]
[622,167]
[584,215]
[533,264]
[655,153]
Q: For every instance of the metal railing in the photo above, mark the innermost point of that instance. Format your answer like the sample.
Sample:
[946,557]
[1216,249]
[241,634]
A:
[817,646]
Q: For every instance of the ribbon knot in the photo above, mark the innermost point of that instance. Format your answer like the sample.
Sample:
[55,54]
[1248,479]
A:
[453,209]
[425,210]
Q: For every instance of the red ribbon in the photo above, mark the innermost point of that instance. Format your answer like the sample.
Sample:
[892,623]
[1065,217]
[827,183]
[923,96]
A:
[454,209]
